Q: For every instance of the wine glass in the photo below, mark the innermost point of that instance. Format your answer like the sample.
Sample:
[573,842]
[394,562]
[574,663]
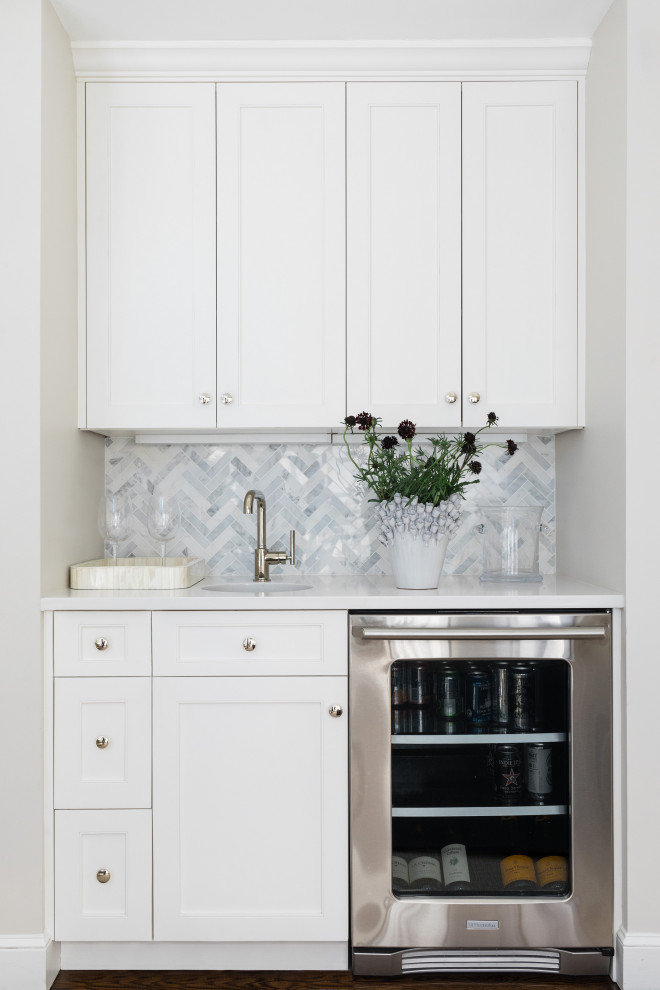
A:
[163,517]
[114,520]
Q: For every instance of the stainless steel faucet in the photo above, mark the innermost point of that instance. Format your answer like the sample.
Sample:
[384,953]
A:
[263,557]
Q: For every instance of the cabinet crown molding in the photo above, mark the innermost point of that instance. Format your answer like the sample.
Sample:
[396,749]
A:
[343,60]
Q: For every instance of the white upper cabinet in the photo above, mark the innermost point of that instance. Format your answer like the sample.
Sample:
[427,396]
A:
[281,255]
[404,251]
[150,208]
[520,278]
[431,225]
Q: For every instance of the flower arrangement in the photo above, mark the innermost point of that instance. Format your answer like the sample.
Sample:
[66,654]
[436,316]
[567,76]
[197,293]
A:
[419,491]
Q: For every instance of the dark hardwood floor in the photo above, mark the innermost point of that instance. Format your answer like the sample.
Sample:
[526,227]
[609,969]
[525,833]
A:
[213,980]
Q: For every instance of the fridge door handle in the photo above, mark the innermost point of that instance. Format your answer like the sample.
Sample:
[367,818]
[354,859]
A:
[490,632]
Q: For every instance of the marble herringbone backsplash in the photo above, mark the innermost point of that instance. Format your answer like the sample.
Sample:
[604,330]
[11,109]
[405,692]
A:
[308,488]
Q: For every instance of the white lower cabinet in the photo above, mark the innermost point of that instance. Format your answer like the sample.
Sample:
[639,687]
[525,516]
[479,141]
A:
[102,742]
[247,778]
[250,809]
[103,875]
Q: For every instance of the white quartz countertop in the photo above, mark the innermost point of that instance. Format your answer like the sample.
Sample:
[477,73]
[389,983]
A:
[350,593]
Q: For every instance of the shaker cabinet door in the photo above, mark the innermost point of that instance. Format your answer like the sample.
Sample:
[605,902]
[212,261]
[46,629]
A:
[150,208]
[520,277]
[404,251]
[250,809]
[281,255]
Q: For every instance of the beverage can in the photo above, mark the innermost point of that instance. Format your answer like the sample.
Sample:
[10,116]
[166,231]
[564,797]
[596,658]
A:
[421,718]
[538,767]
[477,695]
[522,692]
[400,721]
[399,683]
[499,692]
[508,774]
[421,684]
[449,692]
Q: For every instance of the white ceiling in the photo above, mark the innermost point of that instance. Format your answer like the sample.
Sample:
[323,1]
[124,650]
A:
[327,20]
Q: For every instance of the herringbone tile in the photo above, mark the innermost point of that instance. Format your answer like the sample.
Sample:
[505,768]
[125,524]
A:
[308,488]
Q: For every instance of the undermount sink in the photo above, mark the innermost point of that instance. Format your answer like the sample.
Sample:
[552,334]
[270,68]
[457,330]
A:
[269,587]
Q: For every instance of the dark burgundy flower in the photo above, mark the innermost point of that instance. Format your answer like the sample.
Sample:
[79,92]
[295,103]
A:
[469,446]
[475,467]
[350,421]
[406,429]
[492,418]
[469,437]
[389,442]
[364,420]
[511,447]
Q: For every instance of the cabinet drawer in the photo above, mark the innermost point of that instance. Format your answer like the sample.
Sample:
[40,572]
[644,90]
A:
[239,643]
[112,644]
[118,842]
[103,742]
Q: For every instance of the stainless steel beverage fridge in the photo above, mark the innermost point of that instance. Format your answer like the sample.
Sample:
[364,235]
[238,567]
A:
[481,795]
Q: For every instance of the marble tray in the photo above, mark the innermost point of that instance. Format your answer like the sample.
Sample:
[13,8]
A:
[136,573]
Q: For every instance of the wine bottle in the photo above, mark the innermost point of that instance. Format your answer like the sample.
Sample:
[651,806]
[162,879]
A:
[400,873]
[455,868]
[518,873]
[424,872]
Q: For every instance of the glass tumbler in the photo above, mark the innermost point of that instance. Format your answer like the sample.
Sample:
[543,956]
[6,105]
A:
[510,536]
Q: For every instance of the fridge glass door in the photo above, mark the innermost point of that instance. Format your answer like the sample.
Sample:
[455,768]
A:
[480,778]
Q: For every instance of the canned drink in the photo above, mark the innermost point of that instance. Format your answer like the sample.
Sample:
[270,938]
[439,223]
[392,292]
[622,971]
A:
[508,774]
[448,727]
[499,693]
[399,682]
[538,770]
[477,695]
[522,690]
[421,684]
[400,721]
[449,692]
[421,718]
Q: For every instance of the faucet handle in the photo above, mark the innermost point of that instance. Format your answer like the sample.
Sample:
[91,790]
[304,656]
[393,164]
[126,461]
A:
[291,556]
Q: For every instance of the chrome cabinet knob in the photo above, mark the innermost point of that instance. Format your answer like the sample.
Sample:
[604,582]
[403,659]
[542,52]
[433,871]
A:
[205,398]
[101,643]
[474,397]
[103,876]
[451,397]
[249,644]
[336,711]
[102,742]
[226,398]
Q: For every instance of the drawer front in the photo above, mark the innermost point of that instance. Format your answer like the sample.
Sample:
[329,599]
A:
[112,644]
[102,742]
[102,875]
[252,643]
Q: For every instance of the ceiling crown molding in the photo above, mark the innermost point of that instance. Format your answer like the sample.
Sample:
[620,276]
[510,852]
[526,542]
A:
[347,60]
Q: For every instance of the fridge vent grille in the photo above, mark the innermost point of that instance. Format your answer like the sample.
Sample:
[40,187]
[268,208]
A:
[507,960]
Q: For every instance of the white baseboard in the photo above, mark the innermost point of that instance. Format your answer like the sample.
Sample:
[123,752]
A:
[204,955]
[638,960]
[28,962]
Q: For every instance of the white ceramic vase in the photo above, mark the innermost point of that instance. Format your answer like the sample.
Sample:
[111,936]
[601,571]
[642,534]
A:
[417,563]
[417,534]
